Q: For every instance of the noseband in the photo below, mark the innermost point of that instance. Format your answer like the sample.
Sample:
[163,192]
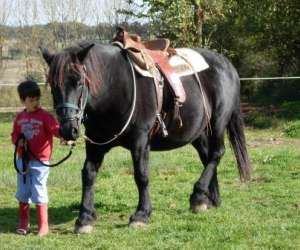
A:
[79,109]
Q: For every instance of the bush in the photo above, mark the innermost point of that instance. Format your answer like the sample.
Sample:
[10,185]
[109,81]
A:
[35,76]
[292,129]
[15,53]
[260,120]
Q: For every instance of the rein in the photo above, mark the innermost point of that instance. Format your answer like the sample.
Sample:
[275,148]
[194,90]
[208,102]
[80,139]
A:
[27,152]
[129,118]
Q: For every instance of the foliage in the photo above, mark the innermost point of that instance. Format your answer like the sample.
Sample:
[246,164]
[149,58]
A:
[292,129]
[181,20]
[35,76]
[262,39]
[259,121]
[283,116]
[266,31]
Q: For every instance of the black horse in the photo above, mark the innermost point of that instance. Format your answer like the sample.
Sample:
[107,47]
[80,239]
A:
[95,84]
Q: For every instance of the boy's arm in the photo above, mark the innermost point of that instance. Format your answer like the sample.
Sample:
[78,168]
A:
[16,132]
[52,126]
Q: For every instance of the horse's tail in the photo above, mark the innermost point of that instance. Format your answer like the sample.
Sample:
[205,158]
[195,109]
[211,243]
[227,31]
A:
[237,139]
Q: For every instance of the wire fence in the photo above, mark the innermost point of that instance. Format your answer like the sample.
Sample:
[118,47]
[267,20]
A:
[269,78]
[9,101]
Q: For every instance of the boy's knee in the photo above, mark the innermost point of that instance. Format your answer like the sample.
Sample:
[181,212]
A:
[23,197]
[39,194]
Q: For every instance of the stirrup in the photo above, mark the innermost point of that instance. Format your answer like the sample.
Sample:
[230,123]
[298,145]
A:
[163,125]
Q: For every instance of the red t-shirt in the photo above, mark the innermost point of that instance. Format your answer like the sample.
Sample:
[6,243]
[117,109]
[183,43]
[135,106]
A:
[39,127]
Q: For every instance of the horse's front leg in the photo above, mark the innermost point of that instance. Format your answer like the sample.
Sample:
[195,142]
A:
[87,213]
[140,157]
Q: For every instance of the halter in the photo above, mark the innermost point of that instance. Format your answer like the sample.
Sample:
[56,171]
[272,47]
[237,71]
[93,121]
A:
[79,110]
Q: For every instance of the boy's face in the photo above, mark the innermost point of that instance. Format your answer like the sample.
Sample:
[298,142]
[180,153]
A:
[31,103]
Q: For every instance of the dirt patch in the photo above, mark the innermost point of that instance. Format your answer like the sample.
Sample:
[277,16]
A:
[260,179]
[248,109]
[258,142]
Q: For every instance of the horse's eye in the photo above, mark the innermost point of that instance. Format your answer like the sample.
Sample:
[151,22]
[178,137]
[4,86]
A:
[74,78]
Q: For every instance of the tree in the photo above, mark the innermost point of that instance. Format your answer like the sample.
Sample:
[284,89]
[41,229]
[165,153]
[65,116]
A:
[65,19]
[28,34]
[262,39]
[255,32]
[108,16]
[179,20]
[5,8]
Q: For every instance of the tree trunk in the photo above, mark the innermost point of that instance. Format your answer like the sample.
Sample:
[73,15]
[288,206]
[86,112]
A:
[198,21]
[1,56]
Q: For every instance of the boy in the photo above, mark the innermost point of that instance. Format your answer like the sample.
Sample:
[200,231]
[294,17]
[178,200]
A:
[38,128]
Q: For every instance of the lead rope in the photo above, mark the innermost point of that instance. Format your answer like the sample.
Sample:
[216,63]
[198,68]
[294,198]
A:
[25,158]
[129,118]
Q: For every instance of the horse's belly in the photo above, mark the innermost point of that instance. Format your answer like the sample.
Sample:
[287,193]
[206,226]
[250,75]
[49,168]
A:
[175,139]
[165,145]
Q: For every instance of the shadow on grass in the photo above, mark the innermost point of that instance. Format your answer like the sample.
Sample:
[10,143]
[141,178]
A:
[57,216]
[62,215]
[114,208]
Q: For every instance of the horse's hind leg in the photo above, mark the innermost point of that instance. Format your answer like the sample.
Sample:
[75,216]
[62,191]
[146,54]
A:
[206,189]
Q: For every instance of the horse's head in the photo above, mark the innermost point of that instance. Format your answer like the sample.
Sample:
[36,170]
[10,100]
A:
[69,84]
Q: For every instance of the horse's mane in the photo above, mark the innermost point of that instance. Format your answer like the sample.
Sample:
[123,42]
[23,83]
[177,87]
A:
[67,62]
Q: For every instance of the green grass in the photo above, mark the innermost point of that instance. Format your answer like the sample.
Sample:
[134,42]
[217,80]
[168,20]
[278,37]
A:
[264,214]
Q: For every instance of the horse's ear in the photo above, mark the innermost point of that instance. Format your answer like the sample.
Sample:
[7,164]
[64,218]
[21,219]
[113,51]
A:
[47,55]
[81,55]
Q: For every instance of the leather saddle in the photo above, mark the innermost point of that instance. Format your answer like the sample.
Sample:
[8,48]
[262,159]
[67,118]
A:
[151,55]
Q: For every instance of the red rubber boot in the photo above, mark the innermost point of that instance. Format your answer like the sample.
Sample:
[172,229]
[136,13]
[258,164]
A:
[23,227]
[42,218]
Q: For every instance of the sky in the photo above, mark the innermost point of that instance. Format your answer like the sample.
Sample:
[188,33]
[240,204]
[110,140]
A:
[27,12]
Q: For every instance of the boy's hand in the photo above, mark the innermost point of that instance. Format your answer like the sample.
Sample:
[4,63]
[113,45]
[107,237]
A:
[64,142]
[20,143]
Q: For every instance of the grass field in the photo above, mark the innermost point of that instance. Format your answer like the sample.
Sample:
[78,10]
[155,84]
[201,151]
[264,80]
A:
[263,214]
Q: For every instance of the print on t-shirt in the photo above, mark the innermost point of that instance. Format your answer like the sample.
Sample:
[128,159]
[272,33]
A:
[30,127]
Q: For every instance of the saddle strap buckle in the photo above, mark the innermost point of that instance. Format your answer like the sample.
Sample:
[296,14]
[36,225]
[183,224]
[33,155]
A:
[162,124]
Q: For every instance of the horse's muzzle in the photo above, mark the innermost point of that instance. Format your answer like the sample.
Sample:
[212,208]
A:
[69,131]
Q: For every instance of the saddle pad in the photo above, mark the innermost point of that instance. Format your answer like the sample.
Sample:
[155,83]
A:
[180,65]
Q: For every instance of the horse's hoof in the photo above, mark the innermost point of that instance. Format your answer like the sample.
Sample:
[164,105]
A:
[87,229]
[199,208]
[137,224]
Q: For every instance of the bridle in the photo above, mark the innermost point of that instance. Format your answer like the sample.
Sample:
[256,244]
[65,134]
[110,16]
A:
[83,98]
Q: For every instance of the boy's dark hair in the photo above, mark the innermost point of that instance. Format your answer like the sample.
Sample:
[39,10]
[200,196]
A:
[28,89]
